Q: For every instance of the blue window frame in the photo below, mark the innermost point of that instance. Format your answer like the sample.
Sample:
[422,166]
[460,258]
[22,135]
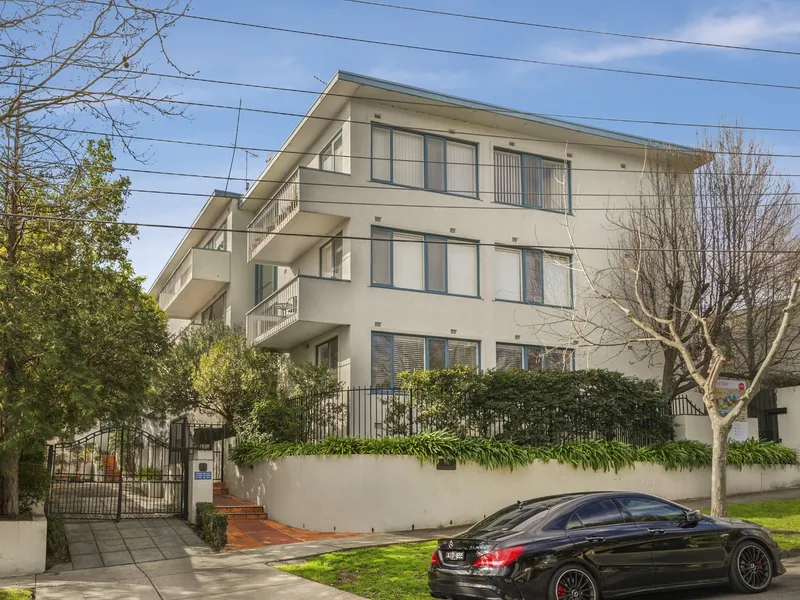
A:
[393,354]
[532,181]
[533,276]
[266,282]
[534,358]
[417,160]
[425,263]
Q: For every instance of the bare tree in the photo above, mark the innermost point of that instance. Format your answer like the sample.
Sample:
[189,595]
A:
[705,277]
[61,62]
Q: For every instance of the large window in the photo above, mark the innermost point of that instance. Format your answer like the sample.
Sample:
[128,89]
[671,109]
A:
[266,281]
[424,161]
[534,358]
[330,159]
[328,355]
[532,181]
[215,311]
[393,354]
[430,263]
[533,277]
[330,259]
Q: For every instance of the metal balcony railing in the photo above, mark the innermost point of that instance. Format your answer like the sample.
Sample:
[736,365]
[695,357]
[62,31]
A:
[176,282]
[278,210]
[274,313]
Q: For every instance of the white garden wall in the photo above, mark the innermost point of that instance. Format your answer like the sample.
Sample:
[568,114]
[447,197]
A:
[23,547]
[394,493]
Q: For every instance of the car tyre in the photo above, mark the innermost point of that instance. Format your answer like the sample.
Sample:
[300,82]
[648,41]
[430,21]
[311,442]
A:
[751,568]
[572,582]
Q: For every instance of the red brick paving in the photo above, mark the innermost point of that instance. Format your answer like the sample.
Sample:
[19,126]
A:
[244,534]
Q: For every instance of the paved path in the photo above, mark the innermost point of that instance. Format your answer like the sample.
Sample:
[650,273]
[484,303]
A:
[108,544]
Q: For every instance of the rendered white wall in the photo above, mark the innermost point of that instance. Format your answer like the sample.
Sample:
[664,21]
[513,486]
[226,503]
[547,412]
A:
[789,424]
[395,493]
[23,547]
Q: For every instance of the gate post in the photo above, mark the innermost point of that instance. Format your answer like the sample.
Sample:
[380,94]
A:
[121,469]
[185,468]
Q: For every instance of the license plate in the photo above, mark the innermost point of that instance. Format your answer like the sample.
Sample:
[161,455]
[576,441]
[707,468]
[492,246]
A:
[454,555]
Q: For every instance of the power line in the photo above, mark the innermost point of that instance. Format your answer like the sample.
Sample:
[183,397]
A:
[495,57]
[499,110]
[309,153]
[455,242]
[576,29]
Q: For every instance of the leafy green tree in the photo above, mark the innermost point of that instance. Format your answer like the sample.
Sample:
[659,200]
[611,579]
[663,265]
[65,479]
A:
[79,339]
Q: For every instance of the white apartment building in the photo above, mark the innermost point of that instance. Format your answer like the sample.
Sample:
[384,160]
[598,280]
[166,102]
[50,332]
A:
[399,229]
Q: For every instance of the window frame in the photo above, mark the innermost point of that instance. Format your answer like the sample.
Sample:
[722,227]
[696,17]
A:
[425,278]
[524,277]
[258,296]
[623,515]
[426,339]
[333,369]
[425,136]
[209,245]
[540,157]
[339,237]
[224,297]
[329,146]
[632,518]
[542,349]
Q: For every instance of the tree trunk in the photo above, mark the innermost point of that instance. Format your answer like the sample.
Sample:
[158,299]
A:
[719,470]
[10,490]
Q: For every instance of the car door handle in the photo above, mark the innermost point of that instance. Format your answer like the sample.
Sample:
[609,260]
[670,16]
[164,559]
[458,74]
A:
[656,531]
[595,539]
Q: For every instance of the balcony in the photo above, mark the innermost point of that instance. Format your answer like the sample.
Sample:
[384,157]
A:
[194,283]
[273,237]
[302,309]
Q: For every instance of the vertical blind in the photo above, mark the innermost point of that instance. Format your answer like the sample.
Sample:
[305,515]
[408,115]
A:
[408,159]
[525,180]
[394,354]
[381,154]
[533,358]
[533,276]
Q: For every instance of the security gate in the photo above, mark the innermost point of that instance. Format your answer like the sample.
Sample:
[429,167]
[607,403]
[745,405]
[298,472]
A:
[119,473]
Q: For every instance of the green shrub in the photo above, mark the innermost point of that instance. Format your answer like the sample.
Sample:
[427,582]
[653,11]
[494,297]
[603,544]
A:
[531,408]
[34,478]
[215,528]
[57,548]
[202,509]
[597,455]
[148,474]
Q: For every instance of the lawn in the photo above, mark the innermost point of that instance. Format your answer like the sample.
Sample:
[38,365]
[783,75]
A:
[400,572]
[15,594]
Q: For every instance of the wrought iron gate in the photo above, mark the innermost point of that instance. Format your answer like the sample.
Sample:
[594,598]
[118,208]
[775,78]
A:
[120,473]
[765,408]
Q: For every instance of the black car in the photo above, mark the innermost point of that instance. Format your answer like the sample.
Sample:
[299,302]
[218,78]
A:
[609,544]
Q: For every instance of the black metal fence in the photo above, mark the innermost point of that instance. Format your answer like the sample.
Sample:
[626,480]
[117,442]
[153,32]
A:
[367,412]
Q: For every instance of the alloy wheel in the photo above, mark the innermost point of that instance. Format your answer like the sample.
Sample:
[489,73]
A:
[574,584]
[754,567]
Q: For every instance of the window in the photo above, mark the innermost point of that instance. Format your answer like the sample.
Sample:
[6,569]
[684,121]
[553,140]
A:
[217,241]
[215,311]
[330,256]
[533,277]
[393,354]
[534,358]
[430,263]
[328,355]
[266,282]
[424,161]
[646,509]
[330,159]
[532,181]
[604,512]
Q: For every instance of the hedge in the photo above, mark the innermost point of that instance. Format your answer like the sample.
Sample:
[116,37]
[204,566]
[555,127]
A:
[212,526]
[494,454]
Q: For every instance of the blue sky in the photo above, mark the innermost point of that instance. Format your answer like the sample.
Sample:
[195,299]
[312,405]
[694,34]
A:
[227,52]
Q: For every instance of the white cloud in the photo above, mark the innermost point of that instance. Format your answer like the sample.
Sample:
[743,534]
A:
[744,28]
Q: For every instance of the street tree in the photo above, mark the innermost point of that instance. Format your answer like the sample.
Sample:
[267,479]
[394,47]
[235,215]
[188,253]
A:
[706,277]
[78,337]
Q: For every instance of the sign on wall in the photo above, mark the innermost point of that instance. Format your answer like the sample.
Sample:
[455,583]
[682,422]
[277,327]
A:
[727,393]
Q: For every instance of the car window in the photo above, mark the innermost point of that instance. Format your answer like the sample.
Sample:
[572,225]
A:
[603,512]
[647,509]
[518,515]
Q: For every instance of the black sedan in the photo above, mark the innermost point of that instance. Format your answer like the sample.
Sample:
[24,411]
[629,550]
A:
[609,544]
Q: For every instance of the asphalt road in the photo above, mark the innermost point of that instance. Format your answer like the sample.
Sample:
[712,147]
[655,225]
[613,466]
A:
[785,587]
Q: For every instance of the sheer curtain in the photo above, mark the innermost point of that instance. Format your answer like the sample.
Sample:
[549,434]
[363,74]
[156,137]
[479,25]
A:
[381,153]
[557,288]
[461,169]
[507,275]
[408,159]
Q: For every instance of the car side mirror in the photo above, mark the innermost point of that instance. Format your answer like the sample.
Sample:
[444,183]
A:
[694,516]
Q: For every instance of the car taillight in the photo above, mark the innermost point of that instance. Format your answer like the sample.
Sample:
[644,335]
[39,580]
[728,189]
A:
[499,558]
[435,558]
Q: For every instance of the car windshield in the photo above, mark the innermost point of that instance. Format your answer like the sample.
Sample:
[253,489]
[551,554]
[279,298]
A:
[519,515]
